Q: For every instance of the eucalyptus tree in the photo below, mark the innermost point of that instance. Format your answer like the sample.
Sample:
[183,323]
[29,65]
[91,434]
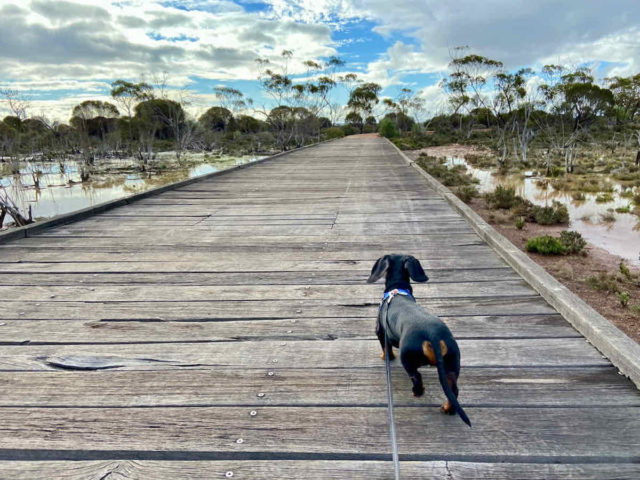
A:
[575,102]
[128,95]
[626,93]
[513,112]
[93,120]
[466,83]
[363,99]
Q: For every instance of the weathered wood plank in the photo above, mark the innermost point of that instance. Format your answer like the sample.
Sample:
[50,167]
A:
[81,331]
[134,273]
[258,309]
[495,387]
[312,469]
[356,293]
[292,354]
[121,259]
[498,434]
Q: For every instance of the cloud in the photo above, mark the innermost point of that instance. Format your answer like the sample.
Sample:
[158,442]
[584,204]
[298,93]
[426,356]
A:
[41,41]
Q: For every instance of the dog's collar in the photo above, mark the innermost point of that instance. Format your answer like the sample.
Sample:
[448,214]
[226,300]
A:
[388,296]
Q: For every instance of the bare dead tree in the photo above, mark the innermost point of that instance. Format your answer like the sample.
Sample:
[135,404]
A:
[8,206]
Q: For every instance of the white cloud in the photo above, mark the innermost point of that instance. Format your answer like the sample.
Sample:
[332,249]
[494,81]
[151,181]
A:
[43,43]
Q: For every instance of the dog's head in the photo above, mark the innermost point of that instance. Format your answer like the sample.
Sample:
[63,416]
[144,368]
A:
[398,269]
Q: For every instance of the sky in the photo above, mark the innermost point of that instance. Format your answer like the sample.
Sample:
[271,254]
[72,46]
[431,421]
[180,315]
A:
[58,53]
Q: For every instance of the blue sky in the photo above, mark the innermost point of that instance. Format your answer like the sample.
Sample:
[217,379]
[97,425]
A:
[60,53]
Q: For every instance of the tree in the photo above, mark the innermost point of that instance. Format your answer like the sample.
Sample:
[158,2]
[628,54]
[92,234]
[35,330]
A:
[575,102]
[215,119]
[93,119]
[362,100]
[626,94]
[465,84]
[128,95]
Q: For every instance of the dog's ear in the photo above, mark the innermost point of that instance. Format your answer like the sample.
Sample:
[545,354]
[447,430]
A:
[379,269]
[415,269]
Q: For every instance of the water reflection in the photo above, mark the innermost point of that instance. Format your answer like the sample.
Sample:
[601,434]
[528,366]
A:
[54,188]
[620,237]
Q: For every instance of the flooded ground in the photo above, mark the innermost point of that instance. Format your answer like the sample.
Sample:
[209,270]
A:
[54,188]
[598,222]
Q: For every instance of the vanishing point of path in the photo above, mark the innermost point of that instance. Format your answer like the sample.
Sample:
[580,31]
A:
[224,329]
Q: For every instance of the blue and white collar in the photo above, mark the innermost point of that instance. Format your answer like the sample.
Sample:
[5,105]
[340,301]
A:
[388,296]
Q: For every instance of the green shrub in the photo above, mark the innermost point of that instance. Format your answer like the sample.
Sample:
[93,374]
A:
[625,209]
[557,213]
[447,176]
[349,129]
[624,270]
[604,282]
[334,132]
[546,245]
[573,241]
[636,198]
[624,298]
[388,128]
[466,193]
[604,198]
[627,193]
[502,197]
[520,223]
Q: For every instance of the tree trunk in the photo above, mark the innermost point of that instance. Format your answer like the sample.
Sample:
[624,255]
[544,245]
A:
[3,213]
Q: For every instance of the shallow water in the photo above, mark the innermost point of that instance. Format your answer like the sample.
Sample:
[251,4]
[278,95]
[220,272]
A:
[621,237]
[61,190]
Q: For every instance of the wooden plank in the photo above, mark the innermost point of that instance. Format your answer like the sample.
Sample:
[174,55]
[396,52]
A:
[498,434]
[479,387]
[68,274]
[258,309]
[206,470]
[329,293]
[81,331]
[312,469]
[293,354]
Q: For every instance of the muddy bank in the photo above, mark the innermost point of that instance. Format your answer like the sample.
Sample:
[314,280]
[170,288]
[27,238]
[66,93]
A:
[573,270]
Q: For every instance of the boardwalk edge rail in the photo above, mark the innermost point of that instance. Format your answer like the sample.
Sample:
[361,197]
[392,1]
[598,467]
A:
[623,352]
[77,215]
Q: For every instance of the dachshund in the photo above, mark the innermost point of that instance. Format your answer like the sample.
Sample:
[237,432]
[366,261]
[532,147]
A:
[423,339]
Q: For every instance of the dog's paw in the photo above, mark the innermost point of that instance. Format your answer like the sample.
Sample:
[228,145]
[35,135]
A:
[418,391]
[447,408]
[391,355]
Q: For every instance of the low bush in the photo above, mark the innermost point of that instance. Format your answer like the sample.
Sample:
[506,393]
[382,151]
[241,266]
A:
[466,193]
[334,132]
[568,243]
[388,128]
[557,213]
[520,223]
[502,197]
[573,241]
[546,245]
[449,177]
[625,209]
[624,298]
[604,282]
[604,198]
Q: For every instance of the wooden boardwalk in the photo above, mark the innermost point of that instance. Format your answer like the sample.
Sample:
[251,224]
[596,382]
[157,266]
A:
[226,326]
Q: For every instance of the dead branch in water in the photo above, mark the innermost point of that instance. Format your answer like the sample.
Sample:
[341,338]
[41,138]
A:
[7,205]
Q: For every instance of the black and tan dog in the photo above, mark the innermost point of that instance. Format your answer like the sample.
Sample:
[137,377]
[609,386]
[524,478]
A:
[423,339]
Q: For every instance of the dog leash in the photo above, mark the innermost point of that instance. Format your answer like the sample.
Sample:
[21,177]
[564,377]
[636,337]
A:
[386,300]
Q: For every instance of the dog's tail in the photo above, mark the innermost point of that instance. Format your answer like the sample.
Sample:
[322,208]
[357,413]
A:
[445,385]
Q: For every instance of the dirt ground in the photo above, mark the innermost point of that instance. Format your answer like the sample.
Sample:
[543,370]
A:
[571,270]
